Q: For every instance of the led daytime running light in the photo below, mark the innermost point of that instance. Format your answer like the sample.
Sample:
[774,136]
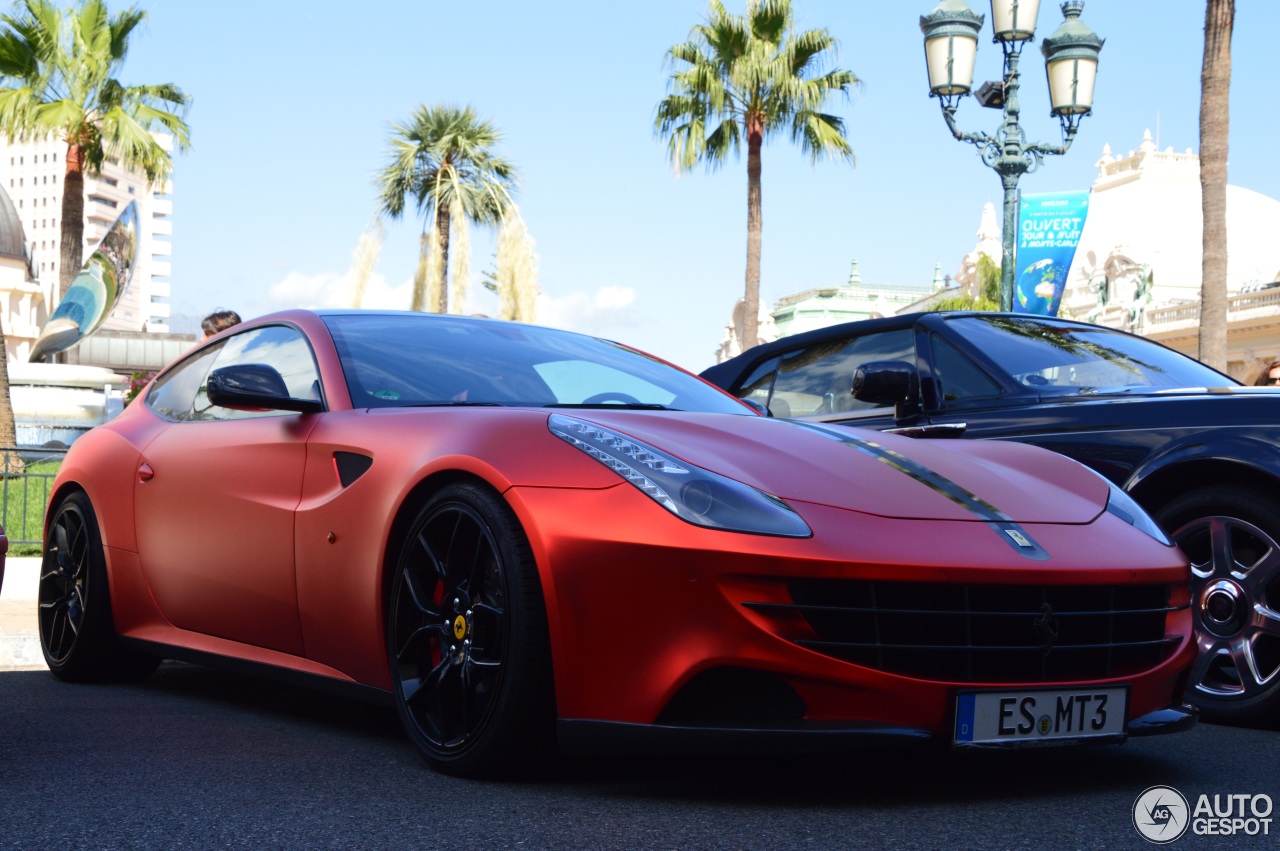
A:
[610,449]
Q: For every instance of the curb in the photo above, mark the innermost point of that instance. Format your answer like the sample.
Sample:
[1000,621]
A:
[19,632]
[21,652]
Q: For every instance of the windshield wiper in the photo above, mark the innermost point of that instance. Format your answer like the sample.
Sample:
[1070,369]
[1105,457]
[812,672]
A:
[621,406]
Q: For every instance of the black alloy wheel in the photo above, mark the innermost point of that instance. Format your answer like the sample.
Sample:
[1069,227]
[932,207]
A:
[1232,537]
[467,636]
[77,633]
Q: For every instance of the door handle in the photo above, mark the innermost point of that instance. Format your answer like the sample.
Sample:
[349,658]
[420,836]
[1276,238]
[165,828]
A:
[145,473]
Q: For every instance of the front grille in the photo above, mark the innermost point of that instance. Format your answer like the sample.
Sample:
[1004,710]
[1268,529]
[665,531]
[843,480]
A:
[984,633]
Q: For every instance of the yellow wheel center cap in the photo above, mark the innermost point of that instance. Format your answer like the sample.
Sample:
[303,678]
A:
[459,627]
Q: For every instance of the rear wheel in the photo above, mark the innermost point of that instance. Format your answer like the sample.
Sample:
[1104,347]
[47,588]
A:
[77,633]
[1232,537]
[467,636]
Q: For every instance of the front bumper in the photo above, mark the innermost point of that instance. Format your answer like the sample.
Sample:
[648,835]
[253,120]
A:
[578,736]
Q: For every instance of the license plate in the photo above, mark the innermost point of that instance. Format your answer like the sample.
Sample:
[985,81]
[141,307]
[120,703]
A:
[1031,716]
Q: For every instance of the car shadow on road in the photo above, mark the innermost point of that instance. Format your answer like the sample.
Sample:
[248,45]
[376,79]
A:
[879,777]
[282,699]
[883,776]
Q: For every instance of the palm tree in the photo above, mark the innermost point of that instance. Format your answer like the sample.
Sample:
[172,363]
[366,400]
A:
[61,76]
[444,159]
[751,76]
[1215,84]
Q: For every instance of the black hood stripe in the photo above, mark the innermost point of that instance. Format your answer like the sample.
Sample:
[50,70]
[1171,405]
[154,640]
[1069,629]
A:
[1008,531]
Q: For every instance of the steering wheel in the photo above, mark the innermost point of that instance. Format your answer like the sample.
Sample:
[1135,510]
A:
[611,396]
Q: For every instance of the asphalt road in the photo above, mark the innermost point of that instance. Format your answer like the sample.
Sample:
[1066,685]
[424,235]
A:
[198,759]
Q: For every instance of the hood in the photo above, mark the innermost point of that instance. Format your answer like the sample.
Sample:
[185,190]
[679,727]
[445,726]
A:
[873,472]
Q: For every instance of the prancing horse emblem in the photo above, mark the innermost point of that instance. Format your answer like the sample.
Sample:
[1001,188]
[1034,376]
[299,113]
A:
[1045,626]
[1019,538]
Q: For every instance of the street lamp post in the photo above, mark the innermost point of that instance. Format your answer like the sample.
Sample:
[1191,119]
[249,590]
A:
[1071,64]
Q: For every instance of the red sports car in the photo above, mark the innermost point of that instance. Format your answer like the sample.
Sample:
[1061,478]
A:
[524,537]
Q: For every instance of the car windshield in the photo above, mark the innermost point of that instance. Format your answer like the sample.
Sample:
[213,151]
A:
[1058,357]
[416,360]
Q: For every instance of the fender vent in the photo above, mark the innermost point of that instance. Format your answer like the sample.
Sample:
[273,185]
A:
[350,466]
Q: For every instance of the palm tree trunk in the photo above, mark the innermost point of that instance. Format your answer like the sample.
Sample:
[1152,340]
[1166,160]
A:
[72,248]
[1215,86]
[418,304]
[751,301]
[442,222]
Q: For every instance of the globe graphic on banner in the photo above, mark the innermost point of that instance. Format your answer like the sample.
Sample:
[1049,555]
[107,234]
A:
[1037,284]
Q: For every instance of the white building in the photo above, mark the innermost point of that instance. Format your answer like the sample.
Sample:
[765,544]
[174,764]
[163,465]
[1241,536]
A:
[32,174]
[22,302]
[1138,265]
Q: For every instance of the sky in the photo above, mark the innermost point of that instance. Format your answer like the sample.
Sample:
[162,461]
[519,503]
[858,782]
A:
[292,102]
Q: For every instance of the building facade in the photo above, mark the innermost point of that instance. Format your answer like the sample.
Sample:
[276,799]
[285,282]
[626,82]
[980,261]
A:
[32,172]
[1138,265]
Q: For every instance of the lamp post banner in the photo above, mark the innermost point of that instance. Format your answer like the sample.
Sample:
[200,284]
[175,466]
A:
[1049,227]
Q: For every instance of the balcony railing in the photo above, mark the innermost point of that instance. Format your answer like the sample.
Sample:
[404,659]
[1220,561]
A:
[1262,299]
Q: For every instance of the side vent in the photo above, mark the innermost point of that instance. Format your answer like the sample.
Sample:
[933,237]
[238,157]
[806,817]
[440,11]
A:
[350,466]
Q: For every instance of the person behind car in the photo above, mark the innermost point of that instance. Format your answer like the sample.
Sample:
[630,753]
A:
[1270,376]
[219,320]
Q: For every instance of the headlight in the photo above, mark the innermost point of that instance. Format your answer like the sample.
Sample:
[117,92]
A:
[691,493]
[1122,505]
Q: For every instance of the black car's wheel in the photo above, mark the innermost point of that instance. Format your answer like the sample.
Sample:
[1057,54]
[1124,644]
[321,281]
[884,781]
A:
[77,633]
[1232,537]
[467,636]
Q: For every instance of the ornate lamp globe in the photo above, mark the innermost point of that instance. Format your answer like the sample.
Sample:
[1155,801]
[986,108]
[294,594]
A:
[951,47]
[1014,20]
[1071,61]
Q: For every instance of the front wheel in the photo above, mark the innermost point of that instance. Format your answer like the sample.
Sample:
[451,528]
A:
[467,636]
[1232,537]
[77,633]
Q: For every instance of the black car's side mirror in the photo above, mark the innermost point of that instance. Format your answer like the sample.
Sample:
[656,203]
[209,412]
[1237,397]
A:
[255,386]
[888,382]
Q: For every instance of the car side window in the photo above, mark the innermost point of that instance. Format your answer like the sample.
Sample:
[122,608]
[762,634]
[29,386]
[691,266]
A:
[279,346]
[759,387]
[173,395]
[819,379]
[959,378]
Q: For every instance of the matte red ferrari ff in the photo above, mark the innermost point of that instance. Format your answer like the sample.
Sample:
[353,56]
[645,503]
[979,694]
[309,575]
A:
[525,538]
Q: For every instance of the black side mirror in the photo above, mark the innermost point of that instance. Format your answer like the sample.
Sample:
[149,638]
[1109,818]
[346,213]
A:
[888,382]
[255,386]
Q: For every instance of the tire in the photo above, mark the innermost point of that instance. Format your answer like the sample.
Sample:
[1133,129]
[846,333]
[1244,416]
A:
[1232,536]
[467,637]
[77,632]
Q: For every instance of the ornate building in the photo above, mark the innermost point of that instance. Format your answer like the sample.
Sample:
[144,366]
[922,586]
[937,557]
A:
[1139,260]
[823,306]
[22,307]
